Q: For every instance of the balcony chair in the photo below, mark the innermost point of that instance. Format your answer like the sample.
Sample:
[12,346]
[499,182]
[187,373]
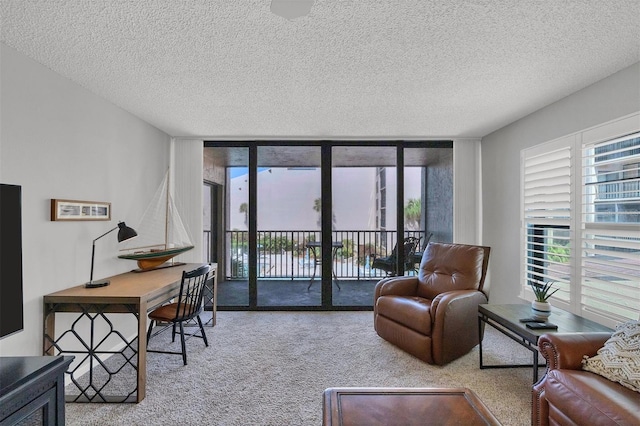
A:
[434,315]
[186,307]
[388,263]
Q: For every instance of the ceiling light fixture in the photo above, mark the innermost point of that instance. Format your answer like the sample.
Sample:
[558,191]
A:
[291,9]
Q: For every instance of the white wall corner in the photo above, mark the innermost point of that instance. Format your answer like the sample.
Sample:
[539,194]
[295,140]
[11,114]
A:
[467,191]
[187,173]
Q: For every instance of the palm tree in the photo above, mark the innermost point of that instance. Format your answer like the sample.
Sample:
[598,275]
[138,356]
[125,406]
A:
[413,214]
[244,208]
[317,207]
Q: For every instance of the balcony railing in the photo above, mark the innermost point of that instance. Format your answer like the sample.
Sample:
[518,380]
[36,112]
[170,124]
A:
[286,254]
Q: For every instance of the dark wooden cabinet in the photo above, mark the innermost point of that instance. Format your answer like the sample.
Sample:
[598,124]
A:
[32,390]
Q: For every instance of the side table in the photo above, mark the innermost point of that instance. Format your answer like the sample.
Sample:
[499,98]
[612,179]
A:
[506,319]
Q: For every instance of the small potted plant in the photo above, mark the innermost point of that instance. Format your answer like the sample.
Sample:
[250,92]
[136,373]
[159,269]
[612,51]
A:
[541,307]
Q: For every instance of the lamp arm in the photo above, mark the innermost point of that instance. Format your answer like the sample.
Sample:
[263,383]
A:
[111,230]
[93,251]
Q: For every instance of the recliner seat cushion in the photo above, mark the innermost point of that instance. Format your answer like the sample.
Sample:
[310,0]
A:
[411,312]
[588,399]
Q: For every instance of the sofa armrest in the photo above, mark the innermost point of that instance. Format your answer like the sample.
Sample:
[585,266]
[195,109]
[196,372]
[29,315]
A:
[561,350]
[396,286]
[454,316]
[566,350]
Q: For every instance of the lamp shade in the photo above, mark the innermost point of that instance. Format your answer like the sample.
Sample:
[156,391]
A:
[125,233]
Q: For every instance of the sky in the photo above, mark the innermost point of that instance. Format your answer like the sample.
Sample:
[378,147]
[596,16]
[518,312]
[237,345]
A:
[241,171]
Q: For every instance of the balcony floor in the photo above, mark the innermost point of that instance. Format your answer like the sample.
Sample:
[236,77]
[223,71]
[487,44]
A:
[280,293]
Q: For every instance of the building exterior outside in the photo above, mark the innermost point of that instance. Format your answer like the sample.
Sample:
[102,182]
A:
[288,197]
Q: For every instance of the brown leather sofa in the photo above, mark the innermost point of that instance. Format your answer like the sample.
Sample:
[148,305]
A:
[434,316]
[567,395]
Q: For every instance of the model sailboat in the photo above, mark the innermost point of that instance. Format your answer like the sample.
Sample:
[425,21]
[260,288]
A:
[161,233]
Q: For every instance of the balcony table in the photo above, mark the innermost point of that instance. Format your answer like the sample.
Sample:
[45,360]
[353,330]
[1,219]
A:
[312,246]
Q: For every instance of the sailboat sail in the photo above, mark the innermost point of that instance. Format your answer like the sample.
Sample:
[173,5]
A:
[161,232]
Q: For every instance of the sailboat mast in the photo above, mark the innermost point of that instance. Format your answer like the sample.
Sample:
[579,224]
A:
[166,212]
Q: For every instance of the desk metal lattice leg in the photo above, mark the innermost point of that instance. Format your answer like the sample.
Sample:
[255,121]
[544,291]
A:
[96,366]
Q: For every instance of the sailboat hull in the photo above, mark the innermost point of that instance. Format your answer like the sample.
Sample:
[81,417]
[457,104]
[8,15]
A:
[152,259]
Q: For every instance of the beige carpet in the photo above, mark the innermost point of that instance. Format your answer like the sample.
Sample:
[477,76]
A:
[270,368]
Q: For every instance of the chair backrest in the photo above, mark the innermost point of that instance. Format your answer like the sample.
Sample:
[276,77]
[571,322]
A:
[409,246]
[189,303]
[448,267]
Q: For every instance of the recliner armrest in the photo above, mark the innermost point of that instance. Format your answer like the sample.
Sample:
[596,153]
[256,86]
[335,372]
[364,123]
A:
[441,302]
[454,316]
[396,286]
[566,350]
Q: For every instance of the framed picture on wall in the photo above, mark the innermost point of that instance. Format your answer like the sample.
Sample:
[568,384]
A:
[79,210]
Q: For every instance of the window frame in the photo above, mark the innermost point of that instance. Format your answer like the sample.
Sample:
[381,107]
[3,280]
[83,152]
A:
[580,224]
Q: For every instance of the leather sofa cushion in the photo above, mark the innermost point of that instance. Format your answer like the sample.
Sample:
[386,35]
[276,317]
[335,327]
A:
[411,312]
[589,399]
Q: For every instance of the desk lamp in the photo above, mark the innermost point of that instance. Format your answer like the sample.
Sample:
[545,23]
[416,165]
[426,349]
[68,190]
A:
[124,233]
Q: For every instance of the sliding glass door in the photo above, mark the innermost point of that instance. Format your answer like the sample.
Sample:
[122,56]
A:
[316,224]
[363,221]
[428,193]
[289,220]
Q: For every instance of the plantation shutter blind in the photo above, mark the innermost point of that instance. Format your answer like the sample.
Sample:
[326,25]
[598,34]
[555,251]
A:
[547,216]
[610,259]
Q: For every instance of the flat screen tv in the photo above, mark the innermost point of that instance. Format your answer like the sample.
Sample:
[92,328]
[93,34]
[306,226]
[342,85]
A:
[11,308]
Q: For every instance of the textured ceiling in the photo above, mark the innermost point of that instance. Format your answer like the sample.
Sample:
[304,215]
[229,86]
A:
[377,68]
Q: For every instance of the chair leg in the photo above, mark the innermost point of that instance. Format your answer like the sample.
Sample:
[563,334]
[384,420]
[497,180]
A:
[184,348]
[173,333]
[149,331]
[204,335]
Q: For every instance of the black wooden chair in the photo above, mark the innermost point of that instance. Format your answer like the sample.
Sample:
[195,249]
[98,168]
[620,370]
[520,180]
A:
[389,263]
[186,307]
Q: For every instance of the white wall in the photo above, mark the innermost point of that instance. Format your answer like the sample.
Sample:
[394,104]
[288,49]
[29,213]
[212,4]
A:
[61,141]
[615,96]
[187,166]
[467,192]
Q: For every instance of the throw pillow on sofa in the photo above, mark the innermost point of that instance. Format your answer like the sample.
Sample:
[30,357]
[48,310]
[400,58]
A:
[619,359]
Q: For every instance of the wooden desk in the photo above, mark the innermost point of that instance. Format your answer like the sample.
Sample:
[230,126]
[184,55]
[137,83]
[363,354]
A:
[130,293]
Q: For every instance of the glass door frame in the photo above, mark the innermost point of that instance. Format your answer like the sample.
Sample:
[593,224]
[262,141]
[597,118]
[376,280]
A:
[326,210]
[215,225]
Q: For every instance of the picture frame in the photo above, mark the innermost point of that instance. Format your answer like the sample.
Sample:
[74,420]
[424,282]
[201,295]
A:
[69,210]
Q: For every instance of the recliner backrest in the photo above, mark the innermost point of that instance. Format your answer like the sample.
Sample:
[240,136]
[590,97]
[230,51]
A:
[447,267]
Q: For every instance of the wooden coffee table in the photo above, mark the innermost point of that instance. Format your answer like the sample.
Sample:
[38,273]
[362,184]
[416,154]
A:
[404,406]
[506,319]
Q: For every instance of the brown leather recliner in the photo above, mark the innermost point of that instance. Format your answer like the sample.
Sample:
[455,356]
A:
[568,395]
[434,316]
